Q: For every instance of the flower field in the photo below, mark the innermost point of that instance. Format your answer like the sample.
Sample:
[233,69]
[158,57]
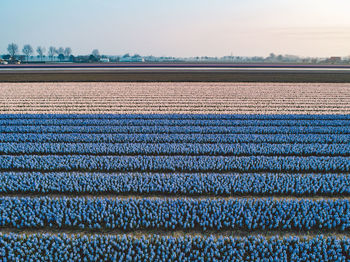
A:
[174,172]
[174,98]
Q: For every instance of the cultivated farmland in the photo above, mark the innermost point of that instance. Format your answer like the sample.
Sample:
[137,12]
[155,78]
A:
[174,98]
[175,171]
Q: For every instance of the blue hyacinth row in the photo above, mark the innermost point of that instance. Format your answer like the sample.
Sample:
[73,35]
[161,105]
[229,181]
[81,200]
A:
[176,138]
[176,149]
[177,184]
[174,163]
[175,214]
[62,247]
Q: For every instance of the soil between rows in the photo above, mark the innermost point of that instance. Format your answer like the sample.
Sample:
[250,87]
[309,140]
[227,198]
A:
[268,234]
[205,76]
[164,196]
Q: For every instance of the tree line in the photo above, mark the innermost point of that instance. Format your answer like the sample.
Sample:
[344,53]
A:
[28,51]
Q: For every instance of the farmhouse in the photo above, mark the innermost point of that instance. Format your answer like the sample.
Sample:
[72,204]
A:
[128,59]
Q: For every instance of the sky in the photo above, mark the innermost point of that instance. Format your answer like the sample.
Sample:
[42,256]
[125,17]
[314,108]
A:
[181,28]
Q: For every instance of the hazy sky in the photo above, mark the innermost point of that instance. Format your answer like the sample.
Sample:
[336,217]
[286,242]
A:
[180,27]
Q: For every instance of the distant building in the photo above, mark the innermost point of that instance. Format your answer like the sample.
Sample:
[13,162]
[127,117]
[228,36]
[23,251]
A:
[167,59]
[151,59]
[133,59]
[334,59]
[104,60]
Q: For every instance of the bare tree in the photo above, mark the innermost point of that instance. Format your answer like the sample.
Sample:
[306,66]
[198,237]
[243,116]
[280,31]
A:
[52,52]
[60,50]
[60,53]
[61,57]
[95,53]
[67,51]
[272,57]
[28,51]
[41,51]
[12,49]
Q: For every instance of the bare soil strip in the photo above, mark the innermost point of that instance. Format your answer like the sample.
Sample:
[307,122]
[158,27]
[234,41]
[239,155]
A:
[180,233]
[136,172]
[115,196]
[318,76]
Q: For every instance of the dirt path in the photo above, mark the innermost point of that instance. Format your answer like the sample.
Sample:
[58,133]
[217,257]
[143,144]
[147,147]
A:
[179,233]
[172,197]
